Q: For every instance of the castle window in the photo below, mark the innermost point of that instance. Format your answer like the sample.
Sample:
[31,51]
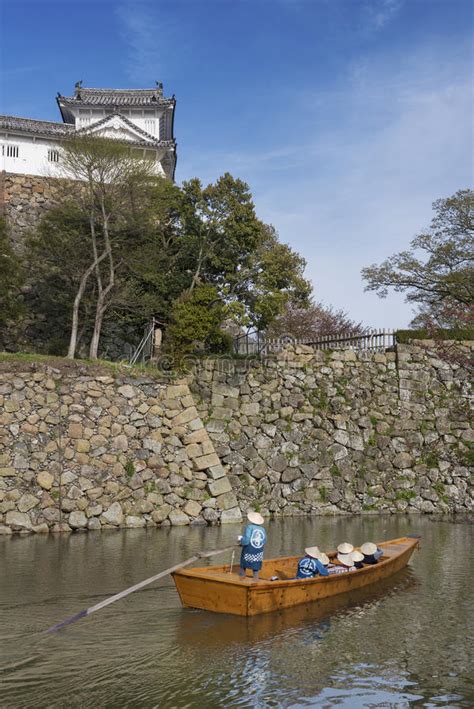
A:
[10,151]
[53,155]
[150,125]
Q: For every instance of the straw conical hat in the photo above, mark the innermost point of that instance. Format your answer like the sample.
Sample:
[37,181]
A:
[313,552]
[345,548]
[368,548]
[357,555]
[255,518]
[323,558]
[345,559]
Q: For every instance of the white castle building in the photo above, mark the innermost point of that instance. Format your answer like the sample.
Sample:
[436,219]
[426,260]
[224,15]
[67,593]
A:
[141,117]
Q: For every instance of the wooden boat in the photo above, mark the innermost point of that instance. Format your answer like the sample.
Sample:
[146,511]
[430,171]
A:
[216,588]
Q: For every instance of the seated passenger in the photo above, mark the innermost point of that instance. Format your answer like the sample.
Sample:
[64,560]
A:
[358,559]
[371,553]
[345,564]
[310,565]
[345,548]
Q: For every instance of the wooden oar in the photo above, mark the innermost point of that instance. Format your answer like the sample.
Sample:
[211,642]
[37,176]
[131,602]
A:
[137,587]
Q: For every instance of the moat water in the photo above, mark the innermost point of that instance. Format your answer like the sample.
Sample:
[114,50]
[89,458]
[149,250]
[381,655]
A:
[407,643]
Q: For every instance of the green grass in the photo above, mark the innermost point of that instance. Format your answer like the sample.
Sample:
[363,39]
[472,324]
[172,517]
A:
[335,471]
[371,507]
[439,488]
[117,368]
[431,459]
[129,469]
[323,493]
[405,495]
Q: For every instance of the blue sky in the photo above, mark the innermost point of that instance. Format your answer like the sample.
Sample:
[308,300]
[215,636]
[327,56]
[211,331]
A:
[346,117]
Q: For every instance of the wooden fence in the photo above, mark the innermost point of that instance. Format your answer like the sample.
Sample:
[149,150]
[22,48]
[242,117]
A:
[255,343]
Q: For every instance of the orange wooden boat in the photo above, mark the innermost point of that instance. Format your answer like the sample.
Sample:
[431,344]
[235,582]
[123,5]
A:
[215,588]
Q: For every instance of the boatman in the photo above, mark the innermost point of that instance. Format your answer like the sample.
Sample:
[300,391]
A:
[311,565]
[252,542]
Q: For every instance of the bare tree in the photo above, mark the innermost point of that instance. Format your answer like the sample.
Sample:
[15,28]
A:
[313,321]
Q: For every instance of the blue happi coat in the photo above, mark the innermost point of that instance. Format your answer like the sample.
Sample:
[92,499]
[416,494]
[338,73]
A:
[253,542]
[309,567]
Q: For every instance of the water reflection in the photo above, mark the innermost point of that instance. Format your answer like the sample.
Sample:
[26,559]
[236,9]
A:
[406,643]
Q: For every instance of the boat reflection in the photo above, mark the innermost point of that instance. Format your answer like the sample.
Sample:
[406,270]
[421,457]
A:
[212,630]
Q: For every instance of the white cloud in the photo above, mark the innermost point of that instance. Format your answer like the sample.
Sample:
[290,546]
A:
[379,13]
[145,36]
[359,185]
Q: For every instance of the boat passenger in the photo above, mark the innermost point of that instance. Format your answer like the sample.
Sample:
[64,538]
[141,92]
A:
[345,564]
[310,565]
[371,553]
[358,559]
[252,542]
[345,548]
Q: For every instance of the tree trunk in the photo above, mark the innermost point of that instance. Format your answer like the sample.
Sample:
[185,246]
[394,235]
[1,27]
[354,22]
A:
[101,305]
[99,317]
[77,302]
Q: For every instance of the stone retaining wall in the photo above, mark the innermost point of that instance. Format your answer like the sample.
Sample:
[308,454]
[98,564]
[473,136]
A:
[343,432]
[24,199]
[100,451]
[302,433]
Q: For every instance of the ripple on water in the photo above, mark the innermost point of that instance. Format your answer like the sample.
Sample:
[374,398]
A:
[408,642]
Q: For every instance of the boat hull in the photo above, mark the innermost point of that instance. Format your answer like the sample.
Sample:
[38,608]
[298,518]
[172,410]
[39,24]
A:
[213,588]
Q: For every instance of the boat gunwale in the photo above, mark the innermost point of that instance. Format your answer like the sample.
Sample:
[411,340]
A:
[205,573]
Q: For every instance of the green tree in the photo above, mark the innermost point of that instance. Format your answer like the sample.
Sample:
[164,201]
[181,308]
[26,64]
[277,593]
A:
[197,317]
[11,280]
[437,272]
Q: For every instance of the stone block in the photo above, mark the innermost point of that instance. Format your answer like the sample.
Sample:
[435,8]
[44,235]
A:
[120,442]
[210,515]
[152,445]
[402,460]
[127,391]
[198,436]
[178,518]
[27,502]
[114,514]
[220,486]
[252,409]
[160,514]
[94,524]
[75,430]
[134,522]
[230,516]
[77,520]
[45,480]
[194,450]
[192,508]
[289,475]
[7,472]
[227,501]
[176,391]
[18,520]
[216,472]
[206,461]
[225,390]
[185,416]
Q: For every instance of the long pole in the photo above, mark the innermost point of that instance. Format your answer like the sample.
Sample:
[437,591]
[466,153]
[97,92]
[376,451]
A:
[136,587]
